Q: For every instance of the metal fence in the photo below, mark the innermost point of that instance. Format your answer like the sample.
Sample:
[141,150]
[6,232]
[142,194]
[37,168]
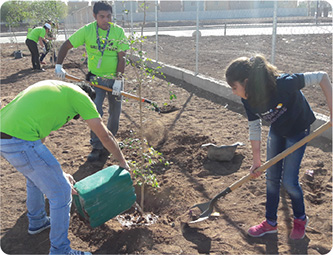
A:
[213,18]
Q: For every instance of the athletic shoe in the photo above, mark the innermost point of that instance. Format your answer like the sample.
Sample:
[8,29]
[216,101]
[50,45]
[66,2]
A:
[76,252]
[298,231]
[34,231]
[262,229]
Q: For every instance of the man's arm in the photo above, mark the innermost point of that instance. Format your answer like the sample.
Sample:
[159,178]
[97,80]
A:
[326,86]
[108,140]
[40,40]
[121,62]
[65,47]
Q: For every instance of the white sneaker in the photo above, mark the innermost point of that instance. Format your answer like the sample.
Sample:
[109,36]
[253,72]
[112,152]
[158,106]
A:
[76,252]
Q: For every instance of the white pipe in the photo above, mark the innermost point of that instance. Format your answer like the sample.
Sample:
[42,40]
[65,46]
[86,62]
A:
[197,42]
[156,26]
[274,31]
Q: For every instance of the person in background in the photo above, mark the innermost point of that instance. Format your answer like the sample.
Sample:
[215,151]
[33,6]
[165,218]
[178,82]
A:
[25,123]
[106,46]
[276,97]
[47,41]
[34,36]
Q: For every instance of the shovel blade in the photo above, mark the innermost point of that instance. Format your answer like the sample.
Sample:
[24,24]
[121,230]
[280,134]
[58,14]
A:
[198,220]
[203,206]
[206,209]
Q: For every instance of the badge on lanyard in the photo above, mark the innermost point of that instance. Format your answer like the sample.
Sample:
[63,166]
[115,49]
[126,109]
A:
[101,49]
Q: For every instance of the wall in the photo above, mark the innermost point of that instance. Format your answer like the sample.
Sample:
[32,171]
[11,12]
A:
[171,6]
[192,5]
[231,14]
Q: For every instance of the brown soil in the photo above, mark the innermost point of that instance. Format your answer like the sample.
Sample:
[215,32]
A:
[191,177]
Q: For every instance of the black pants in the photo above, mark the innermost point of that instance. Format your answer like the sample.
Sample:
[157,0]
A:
[32,46]
[42,55]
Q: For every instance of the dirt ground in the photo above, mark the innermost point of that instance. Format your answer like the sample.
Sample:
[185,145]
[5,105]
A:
[191,177]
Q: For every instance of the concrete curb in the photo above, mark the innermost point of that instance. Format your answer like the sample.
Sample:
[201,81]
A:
[217,87]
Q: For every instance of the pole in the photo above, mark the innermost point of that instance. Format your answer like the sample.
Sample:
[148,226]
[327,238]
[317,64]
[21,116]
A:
[115,12]
[197,42]
[156,28]
[131,7]
[274,31]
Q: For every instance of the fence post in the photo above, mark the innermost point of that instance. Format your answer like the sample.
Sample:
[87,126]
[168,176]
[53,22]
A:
[274,31]
[197,42]
[131,7]
[156,26]
[114,12]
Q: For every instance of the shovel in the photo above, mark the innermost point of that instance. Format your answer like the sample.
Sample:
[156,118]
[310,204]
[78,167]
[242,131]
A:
[144,100]
[207,208]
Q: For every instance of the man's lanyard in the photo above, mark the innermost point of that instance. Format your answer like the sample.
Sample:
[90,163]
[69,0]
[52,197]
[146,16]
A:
[99,45]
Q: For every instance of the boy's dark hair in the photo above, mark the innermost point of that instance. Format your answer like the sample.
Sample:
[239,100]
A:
[102,6]
[88,89]
[261,75]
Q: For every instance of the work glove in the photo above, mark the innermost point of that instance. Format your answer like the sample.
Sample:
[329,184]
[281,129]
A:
[44,50]
[59,71]
[117,87]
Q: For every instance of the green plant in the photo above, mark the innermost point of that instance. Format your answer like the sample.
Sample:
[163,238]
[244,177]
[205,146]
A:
[14,13]
[143,169]
[144,166]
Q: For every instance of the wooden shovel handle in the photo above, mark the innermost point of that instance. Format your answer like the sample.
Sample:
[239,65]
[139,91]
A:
[282,155]
[144,100]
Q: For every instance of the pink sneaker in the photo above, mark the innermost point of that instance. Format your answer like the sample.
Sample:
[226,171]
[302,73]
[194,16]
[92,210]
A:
[261,229]
[298,231]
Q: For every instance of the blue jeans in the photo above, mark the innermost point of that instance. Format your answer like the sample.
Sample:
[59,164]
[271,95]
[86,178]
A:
[114,113]
[44,176]
[286,172]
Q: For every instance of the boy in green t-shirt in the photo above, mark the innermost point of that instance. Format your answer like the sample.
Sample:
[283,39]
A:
[35,36]
[106,45]
[25,123]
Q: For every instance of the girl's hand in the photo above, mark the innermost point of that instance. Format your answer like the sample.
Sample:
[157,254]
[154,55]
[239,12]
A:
[253,172]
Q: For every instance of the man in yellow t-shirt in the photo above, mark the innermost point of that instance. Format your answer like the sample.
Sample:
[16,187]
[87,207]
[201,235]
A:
[35,36]
[106,46]
[25,122]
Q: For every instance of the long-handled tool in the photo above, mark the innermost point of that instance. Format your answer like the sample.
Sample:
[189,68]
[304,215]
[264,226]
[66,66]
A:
[125,94]
[207,208]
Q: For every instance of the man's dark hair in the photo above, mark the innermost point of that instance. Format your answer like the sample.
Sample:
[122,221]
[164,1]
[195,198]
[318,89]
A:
[102,6]
[88,89]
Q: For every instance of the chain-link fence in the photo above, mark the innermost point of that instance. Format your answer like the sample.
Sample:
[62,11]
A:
[198,19]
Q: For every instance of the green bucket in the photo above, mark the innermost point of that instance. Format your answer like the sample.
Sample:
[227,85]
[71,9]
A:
[104,195]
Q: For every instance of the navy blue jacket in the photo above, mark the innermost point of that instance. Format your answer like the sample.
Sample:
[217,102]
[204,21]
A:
[288,111]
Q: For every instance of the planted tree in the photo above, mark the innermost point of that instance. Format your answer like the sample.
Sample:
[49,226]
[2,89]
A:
[40,11]
[14,13]
[144,74]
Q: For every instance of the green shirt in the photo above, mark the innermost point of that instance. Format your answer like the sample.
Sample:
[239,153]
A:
[44,107]
[116,42]
[35,33]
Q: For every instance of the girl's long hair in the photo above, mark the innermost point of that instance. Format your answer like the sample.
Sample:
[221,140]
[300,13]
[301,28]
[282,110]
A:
[261,75]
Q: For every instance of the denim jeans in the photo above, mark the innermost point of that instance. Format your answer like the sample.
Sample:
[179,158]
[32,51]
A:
[44,176]
[114,112]
[286,172]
